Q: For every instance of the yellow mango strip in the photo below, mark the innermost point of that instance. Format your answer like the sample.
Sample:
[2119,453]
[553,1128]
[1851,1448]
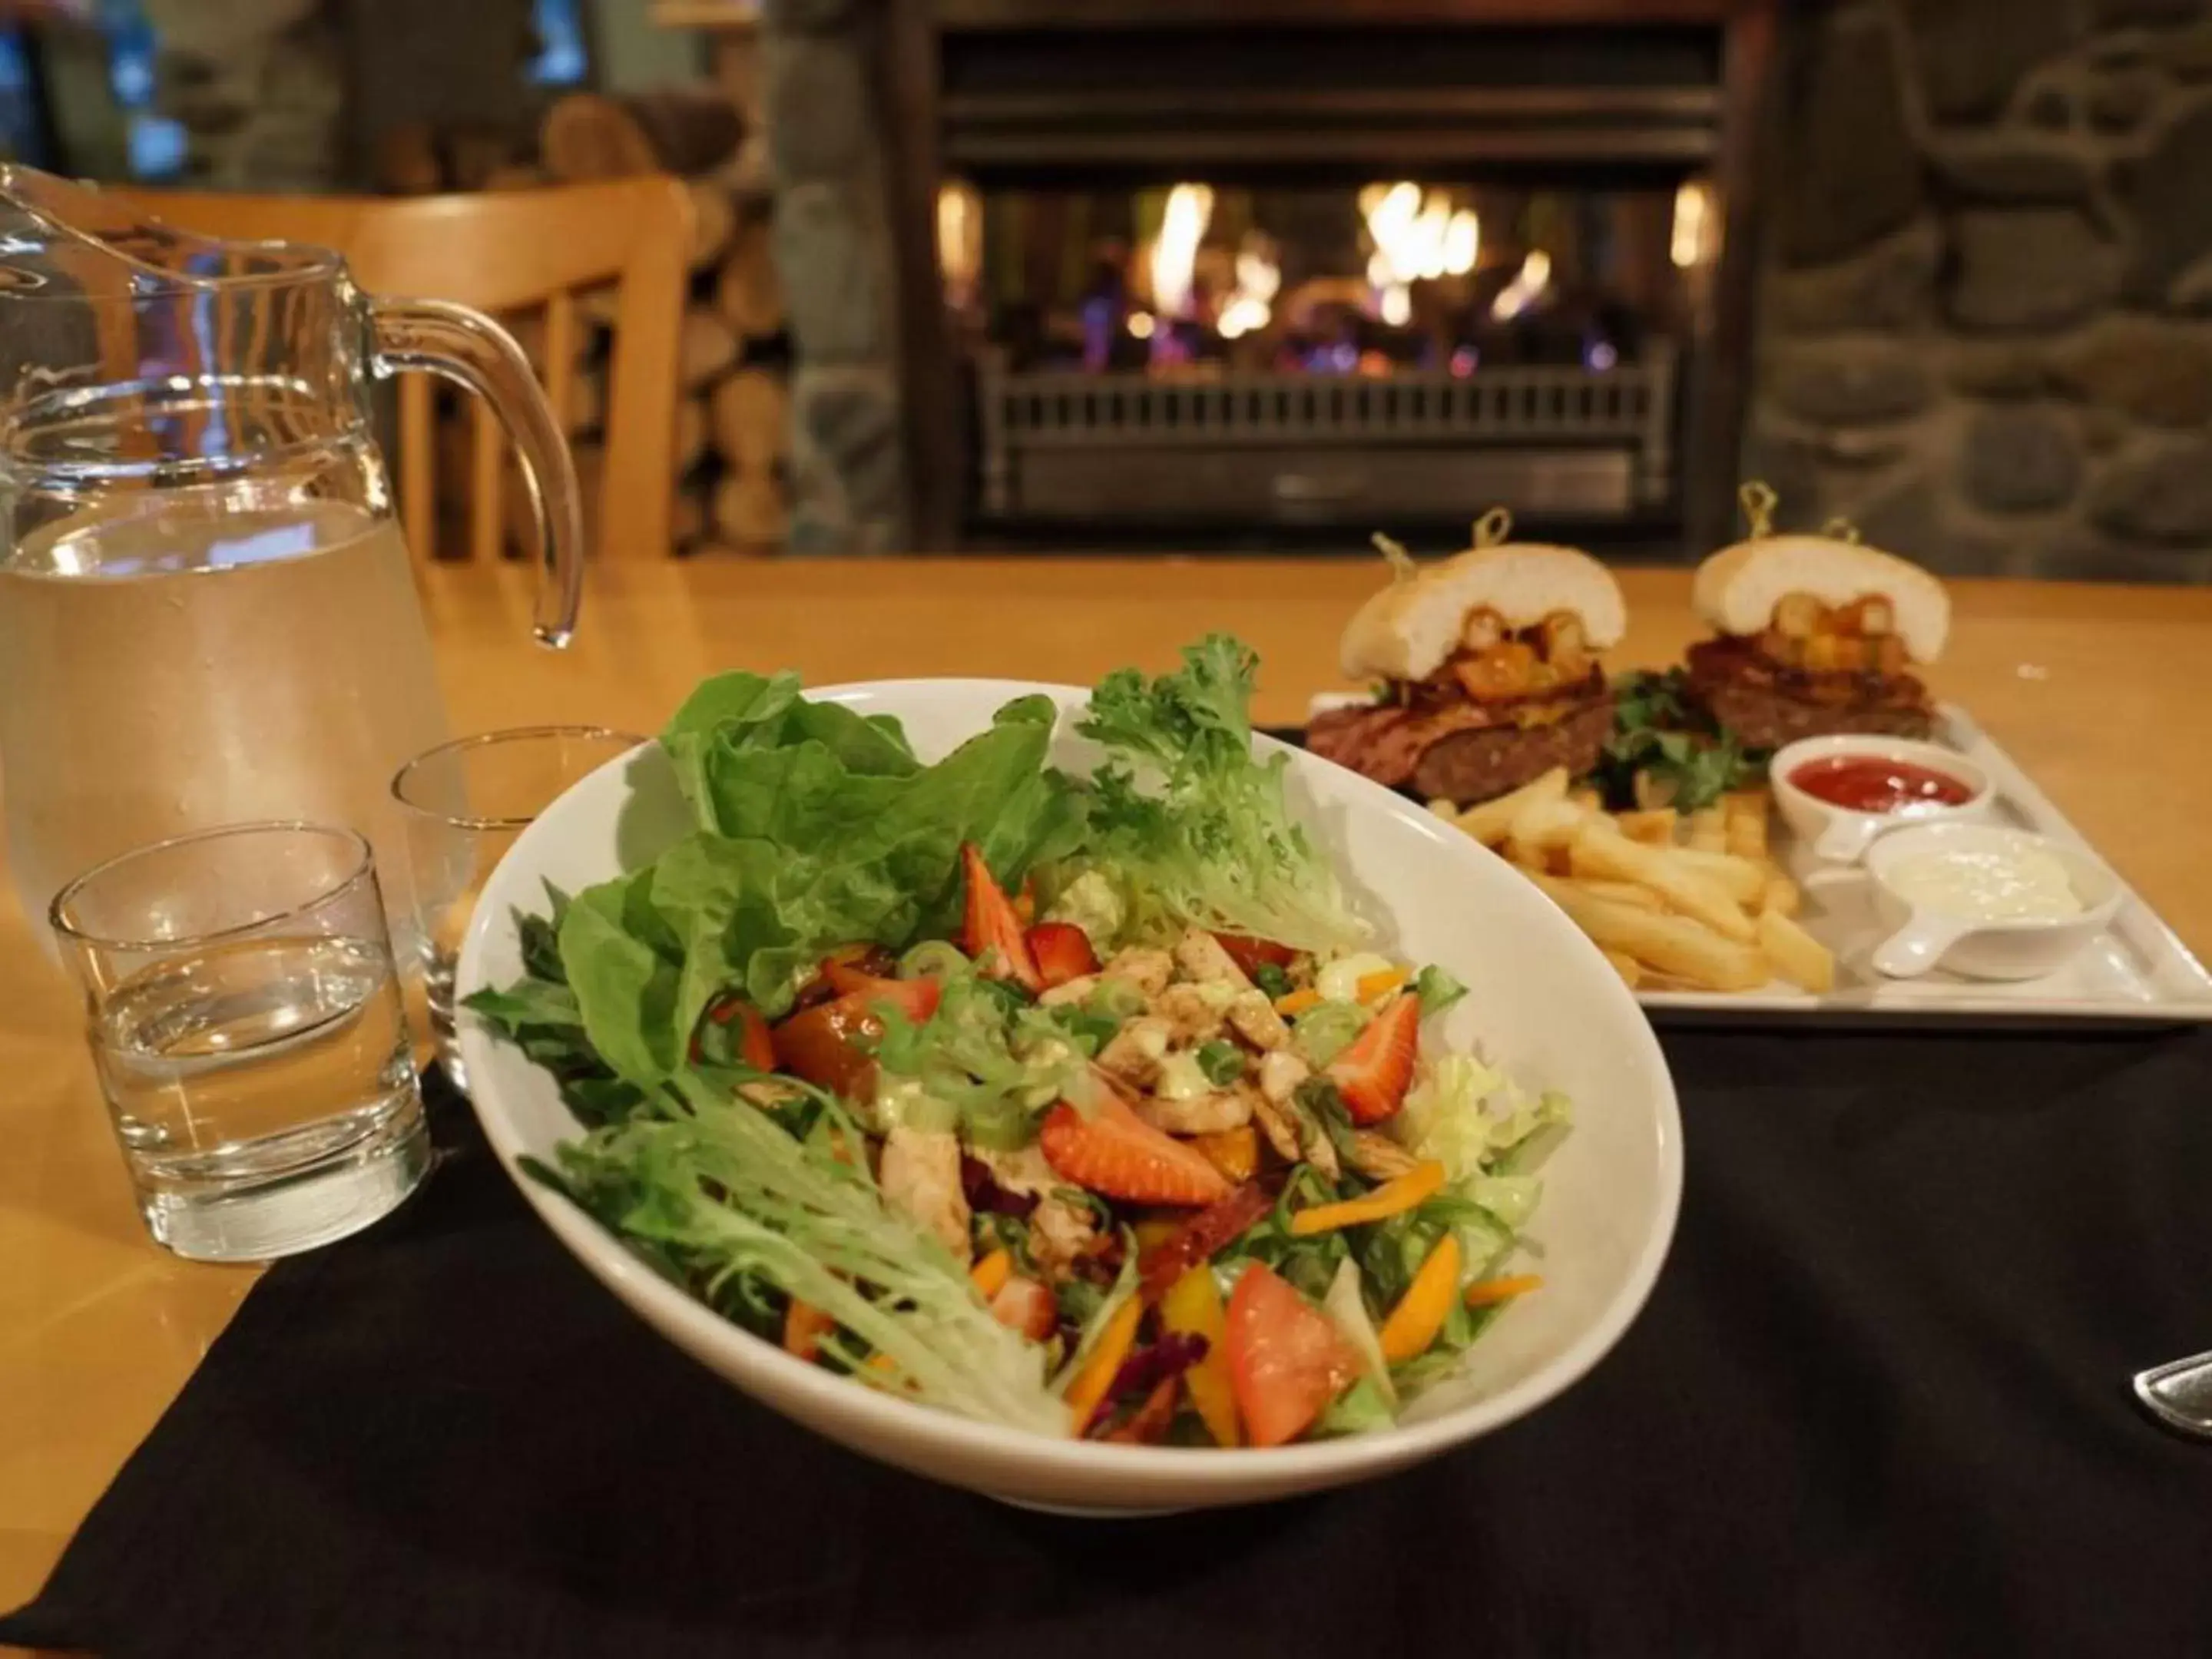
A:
[1235,1152]
[1486,1292]
[1373,987]
[1416,1186]
[1156,1229]
[1421,1312]
[1097,1373]
[1192,1305]
[990,1274]
[1297,1002]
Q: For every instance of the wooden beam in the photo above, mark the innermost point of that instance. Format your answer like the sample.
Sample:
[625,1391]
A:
[929,382]
[970,15]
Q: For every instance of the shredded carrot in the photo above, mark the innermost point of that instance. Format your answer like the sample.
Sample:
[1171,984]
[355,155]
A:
[1373,987]
[993,1272]
[804,1326]
[1297,1002]
[1097,1373]
[1235,1152]
[1192,1305]
[1394,1197]
[1421,1312]
[1482,1293]
[1025,904]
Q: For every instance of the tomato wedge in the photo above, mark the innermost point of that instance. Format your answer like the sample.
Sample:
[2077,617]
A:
[1061,952]
[1249,953]
[1287,1359]
[754,1045]
[1200,1239]
[859,968]
[828,1044]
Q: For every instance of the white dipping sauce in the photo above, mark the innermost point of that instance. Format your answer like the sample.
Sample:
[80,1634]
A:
[1987,884]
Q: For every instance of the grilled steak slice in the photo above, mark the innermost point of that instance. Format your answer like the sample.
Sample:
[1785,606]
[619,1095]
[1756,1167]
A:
[1469,766]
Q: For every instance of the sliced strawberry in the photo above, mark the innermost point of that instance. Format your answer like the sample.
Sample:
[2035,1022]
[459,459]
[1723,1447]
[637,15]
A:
[1287,1359]
[1022,1304]
[1061,952]
[1200,1238]
[993,935]
[754,1045]
[1249,953]
[827,1044]
[1373,1074]
[1115,1152]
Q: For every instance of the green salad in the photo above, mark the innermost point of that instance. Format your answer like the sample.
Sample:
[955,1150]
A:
[1088,1105]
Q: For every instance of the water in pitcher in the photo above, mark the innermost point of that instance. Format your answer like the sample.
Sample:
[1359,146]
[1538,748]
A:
[200,663]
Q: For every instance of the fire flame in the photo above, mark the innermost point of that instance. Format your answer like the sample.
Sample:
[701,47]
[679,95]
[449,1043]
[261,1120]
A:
[1526,286]
[1695,228]
[1416,238]
[1258,279]
[1182,226]
[959,238]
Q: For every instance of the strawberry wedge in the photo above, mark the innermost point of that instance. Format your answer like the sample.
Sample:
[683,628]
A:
[1115,1152]
[993,933]
[1373,1074]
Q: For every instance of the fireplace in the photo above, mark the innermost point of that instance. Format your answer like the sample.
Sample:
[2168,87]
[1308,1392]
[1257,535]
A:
[1259,270]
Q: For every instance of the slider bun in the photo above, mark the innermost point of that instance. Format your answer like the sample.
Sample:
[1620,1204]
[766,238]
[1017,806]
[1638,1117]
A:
[1736,590]
[1408,630]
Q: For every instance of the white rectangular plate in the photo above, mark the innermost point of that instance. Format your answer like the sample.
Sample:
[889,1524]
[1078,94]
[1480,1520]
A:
[2138,971]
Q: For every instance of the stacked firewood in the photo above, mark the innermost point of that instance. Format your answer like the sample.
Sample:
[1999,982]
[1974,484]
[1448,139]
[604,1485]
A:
[731,416]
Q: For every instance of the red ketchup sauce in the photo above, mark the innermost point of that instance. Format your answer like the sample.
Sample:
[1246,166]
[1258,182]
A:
[1870,783]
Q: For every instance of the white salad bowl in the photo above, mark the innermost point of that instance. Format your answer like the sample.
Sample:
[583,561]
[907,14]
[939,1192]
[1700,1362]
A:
[1542,1003]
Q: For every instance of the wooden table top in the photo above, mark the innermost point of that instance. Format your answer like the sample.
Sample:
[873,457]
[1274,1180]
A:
[2096,690]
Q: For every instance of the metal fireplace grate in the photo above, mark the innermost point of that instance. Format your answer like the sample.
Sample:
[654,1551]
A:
[1313,448]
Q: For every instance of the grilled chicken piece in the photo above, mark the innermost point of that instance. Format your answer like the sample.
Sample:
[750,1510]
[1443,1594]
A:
[1060,1234]
[1073,990]
[1023,1172]
[921,1174]
[1379,1157]
[1320,1150]
[1278,1121]
[1133,1053]
[1200,956]
[1281,1070]
[1201,1115]
[1146,969]
[1195,1016]
[1253,1018]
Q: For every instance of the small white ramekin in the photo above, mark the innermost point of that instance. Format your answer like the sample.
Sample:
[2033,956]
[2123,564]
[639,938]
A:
[1919,938]
[1840,835]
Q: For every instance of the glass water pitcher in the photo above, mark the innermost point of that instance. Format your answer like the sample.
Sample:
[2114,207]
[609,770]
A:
[207,614]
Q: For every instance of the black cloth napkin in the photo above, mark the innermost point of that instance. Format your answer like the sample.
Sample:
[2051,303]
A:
[1877,1405]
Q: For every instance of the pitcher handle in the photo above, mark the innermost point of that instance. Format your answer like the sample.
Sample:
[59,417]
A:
[468,347]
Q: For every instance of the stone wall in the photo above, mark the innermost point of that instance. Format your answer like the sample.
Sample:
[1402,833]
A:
[833,249]
[1986,318]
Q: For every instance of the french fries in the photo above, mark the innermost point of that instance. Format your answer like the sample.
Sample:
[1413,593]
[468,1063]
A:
[1654,828]
[1492,822]
[1796,956]
[1673,945]
[1604,852]
[1677,900]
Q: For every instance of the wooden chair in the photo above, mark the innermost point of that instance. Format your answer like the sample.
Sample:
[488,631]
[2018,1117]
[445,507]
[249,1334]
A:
[504,251]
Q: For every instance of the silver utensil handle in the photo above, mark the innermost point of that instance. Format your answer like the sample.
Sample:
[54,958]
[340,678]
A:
[2180,1394]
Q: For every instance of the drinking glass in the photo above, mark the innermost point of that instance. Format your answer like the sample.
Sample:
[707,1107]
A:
[464,803]
[245,1022]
